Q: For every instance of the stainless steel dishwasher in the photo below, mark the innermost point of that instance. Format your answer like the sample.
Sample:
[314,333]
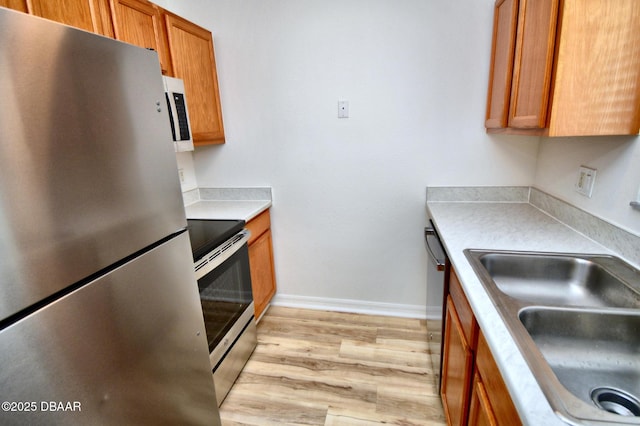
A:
[438,282]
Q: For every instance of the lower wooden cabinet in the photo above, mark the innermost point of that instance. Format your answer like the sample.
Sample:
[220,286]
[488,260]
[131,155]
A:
[457,369]
[460,337]
[490,400]
[480,412]
[472,391]
[263,277]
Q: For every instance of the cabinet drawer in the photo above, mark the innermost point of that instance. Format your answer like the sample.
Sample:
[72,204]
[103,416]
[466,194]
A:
[467,319]
[259,225]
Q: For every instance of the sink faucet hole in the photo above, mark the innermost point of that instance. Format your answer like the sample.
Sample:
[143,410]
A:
[616,401]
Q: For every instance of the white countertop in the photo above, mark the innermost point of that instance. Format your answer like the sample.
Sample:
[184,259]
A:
[227,203]
[226,209]
[505,226]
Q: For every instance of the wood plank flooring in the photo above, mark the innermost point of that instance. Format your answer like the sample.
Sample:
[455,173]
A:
[328,368]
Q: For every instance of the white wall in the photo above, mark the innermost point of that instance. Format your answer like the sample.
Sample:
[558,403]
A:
[187,167]
[349,194]
[617,160]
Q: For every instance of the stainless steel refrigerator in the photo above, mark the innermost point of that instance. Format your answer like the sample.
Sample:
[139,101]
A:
[100,319]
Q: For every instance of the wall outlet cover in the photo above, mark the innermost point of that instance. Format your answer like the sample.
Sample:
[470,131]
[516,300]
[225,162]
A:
[586,180]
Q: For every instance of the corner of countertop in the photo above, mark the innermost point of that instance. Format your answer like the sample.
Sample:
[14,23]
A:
[236,194]
[227,194]
[621,241]
[227,203]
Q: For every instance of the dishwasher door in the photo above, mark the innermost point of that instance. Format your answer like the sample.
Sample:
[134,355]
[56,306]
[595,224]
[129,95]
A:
[437,288]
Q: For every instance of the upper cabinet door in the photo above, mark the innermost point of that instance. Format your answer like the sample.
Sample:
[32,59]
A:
[89,15]
[20,5]
[533,63]
[139,22]
[505,23]
[597,77]
[194,61]
[575,70]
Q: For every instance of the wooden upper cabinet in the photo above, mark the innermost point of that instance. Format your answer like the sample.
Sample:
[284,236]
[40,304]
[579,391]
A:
[575,69]
[88,15]
[505,23]
[194,61]
[140,22]
[533,63]
[20,5]
[597,78]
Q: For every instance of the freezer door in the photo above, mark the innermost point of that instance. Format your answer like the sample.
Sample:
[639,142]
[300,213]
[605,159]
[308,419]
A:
[127,349]
[88,173]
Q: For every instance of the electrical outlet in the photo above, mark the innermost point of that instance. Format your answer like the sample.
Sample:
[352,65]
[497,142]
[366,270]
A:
[586,180]
[181,174]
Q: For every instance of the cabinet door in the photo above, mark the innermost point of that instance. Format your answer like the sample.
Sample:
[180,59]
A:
[505,21]
[495,391]
[456,370]
[533,64]
[597,77]
[193,59]
[140,22]
[263,278]
[480,413]
[263,281]
[20,5]
[88,15]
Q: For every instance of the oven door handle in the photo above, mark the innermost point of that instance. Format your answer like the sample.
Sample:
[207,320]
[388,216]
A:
[220,254]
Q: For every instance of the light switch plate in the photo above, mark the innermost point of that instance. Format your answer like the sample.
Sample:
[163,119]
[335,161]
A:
[343,109]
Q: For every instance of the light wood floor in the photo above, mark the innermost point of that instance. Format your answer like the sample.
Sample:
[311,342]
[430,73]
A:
[328,368]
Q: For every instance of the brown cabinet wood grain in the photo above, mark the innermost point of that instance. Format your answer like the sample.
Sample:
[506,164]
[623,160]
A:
[263,279]
[457,369]
[505,23]
[490,400]
[463,309]
[533,63]
[480,412]
[472,389]
[88,15]
[20,5]
[575,69]
[193,60]
[140,22]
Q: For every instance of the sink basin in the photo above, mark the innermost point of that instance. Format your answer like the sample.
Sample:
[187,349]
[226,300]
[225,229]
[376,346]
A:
[558,280]
[576,320]
[595,355]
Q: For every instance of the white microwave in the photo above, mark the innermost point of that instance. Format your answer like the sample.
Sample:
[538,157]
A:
[178,114]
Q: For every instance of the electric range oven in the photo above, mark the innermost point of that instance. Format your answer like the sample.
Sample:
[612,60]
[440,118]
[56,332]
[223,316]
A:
[221,262]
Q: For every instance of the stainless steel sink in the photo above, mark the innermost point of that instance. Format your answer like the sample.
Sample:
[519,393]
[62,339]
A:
[560,280]
[595,355]
[576,319]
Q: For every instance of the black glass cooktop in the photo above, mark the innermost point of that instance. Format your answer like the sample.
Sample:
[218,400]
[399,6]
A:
[207,234]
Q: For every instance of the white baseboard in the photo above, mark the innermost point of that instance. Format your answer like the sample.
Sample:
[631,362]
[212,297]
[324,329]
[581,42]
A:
[357,306]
